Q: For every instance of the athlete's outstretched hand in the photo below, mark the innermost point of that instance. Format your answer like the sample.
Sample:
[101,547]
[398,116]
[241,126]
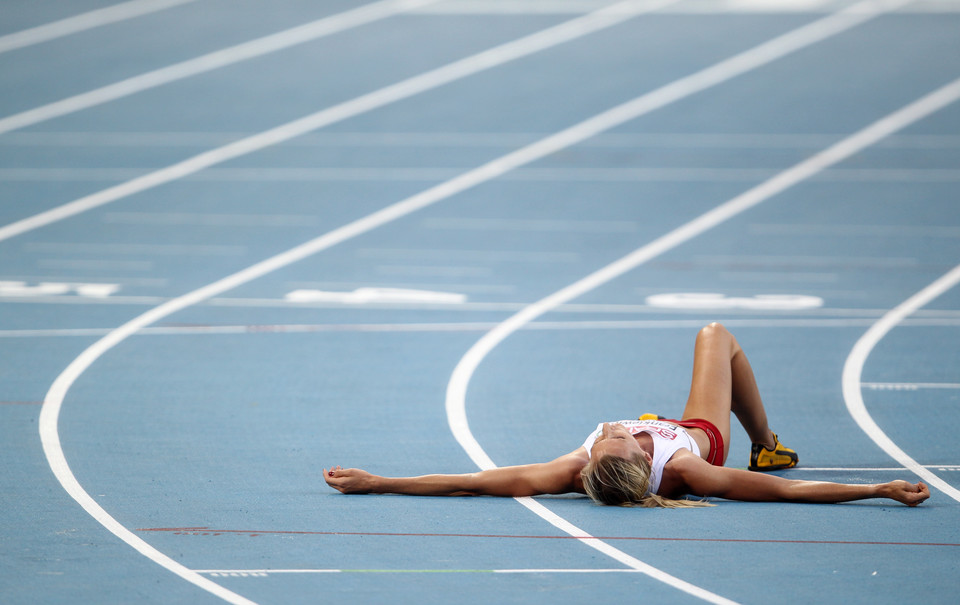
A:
[908,493]
[349,481]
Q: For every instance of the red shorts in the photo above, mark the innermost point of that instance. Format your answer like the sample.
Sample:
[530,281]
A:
[715,455]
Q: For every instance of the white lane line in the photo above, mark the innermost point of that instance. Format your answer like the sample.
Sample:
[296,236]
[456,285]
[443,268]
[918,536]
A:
[618,555]
[521,571]
[473,326]
[805,318]
[50,412]
[498,55]
[460,379]
[895,469]
[853,370]
[85,21]
[260,573]
[944,318]
[210,61]
[908,386]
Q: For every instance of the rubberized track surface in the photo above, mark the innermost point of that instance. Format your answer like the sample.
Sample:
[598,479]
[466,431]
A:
[241,243]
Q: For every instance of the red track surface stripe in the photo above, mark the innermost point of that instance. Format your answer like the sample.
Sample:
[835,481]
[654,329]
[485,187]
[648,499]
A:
[206,531]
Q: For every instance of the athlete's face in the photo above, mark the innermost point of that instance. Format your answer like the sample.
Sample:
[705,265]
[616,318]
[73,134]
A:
[615,440]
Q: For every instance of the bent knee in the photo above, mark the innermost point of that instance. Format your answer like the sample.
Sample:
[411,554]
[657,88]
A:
[716,335]
[714,330]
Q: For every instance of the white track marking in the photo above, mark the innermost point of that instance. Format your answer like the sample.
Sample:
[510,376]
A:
[684,87]
[853,370]
[751,59]
[460,379]
[480,326]
[908,386]
[367,295]
[820,317]
[260,573]
[498,55]
[208,62]
[870,469]
[618,555]
[477,326]
[703,300]
[20,289]
[85,21]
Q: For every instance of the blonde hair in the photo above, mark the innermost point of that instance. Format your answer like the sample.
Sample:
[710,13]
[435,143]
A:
[625,482]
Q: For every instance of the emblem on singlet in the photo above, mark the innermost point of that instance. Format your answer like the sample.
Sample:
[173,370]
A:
[666,431]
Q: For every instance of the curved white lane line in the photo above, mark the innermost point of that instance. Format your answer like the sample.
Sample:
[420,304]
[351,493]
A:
[84,21]
[460,379]
[258,47]
[618,555]
[53,402]
[853,370]
[58,463]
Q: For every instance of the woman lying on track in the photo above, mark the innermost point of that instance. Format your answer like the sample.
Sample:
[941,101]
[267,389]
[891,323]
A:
[654,461]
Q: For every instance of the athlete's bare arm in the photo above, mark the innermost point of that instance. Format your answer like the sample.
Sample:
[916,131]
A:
[702,479]
[558,476]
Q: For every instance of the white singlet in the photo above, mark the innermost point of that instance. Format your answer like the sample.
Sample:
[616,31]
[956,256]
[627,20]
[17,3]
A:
[667,439]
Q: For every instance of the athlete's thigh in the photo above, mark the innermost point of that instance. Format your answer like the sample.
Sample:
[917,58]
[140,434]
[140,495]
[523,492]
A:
[711,389]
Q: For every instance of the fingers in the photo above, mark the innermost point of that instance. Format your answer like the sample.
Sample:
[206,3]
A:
[915,494]
[330,476]
[349,480]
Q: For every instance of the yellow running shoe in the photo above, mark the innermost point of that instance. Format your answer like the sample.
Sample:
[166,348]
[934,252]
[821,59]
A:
[651,417]
[762,459]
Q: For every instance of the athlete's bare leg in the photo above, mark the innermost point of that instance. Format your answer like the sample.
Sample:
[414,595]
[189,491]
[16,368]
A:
[723,382]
